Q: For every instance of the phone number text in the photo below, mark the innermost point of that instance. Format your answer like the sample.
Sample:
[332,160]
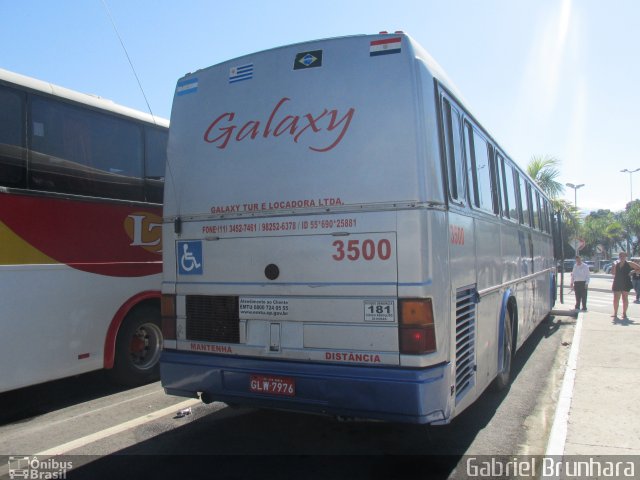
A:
[287,226]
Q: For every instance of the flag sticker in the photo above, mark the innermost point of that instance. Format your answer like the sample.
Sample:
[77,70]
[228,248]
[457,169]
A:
[187,86]
[306,60]
[385,46]
[240,73]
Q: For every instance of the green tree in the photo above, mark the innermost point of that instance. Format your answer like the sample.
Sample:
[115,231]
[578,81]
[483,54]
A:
[571,220]
[630,219]
[544,169]
[603,227]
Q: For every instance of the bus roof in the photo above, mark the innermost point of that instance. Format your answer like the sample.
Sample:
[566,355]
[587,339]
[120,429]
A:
[83,98]
[436,70]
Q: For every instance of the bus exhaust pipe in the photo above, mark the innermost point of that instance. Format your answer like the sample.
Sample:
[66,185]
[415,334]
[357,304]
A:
[206,398]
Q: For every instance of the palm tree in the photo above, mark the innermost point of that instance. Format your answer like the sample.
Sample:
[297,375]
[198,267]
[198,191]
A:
[544,171]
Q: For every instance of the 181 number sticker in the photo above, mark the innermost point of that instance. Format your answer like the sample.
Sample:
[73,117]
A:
[379,311]
[366,250]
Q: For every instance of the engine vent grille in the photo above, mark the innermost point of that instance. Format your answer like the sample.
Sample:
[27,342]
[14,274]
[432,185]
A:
[466,300]
[213,319]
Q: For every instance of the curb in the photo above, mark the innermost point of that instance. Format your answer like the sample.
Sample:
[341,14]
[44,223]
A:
[558,435]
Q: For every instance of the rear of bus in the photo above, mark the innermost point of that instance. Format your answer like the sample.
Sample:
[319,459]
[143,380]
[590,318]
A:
[304,211]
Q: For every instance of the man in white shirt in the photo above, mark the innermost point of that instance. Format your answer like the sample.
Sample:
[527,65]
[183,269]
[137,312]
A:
[579,282]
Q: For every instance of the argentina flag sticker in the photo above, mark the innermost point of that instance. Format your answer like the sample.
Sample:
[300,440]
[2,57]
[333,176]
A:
[187,86]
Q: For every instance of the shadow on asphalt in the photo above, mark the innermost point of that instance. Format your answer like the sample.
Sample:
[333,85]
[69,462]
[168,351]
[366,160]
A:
[25,403]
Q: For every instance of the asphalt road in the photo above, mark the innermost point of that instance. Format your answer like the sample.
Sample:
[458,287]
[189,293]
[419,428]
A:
[109,432]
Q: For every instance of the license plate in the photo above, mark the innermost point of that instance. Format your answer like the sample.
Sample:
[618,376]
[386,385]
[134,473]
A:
[270,385]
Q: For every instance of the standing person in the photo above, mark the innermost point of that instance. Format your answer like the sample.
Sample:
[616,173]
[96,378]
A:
[622,283]
[579,282]
[635,279]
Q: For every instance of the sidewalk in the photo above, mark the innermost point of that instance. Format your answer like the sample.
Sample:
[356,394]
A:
[598,410]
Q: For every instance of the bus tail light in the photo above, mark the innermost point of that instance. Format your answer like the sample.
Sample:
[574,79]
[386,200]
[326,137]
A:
[168,311]
[417,329]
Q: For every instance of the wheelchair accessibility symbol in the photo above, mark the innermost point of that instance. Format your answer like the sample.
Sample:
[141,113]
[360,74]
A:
[190,258]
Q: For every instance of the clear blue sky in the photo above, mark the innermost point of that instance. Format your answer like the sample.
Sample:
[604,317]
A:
[556,77]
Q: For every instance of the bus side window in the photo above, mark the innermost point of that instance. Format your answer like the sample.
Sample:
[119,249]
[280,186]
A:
[525,218]
[504,204]
[455,167]
[535,208]
[84,152]
[527,200]
[540,212]
[155,159]
[547,224]
[12,139]
[511,192]
[478,164]
[496,180]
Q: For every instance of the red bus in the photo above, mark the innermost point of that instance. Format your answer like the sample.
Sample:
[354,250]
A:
[81,183]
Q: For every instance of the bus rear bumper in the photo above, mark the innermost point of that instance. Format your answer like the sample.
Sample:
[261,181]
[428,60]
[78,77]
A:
[350,391]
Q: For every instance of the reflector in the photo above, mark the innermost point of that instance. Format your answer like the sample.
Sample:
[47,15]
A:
[416,312]
[168,312]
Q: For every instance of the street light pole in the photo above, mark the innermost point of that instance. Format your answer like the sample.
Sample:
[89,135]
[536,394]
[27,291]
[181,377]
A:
[576,245]
[575,192]
[630,172]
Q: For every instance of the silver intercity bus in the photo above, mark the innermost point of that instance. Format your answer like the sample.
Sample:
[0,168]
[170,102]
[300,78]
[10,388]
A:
[343,237]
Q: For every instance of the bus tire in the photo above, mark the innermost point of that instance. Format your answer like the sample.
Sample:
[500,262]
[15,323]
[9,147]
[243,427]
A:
[503,379]
[138,347]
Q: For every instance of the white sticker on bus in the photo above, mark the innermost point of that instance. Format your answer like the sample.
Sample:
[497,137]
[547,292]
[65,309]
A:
[261,307]
[379,311]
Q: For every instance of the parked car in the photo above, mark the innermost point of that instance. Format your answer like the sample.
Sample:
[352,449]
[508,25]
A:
[606,268]
[592,266]
[567,265]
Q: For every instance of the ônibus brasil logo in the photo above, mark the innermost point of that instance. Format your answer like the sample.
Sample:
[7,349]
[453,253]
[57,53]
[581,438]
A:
[40,469]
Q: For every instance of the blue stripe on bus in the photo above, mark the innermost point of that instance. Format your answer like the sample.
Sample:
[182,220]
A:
[239,78]
[415,395]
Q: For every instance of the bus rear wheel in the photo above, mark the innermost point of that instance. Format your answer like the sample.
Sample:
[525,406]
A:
[503,379]
[138,348]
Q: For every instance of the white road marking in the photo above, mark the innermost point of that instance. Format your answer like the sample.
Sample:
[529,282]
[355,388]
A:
[94,437]
[94,411]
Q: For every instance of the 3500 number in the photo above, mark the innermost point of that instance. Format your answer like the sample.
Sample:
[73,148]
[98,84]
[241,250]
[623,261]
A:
[367,249]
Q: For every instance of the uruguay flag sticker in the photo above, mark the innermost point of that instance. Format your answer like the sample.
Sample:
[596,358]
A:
[240,73]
